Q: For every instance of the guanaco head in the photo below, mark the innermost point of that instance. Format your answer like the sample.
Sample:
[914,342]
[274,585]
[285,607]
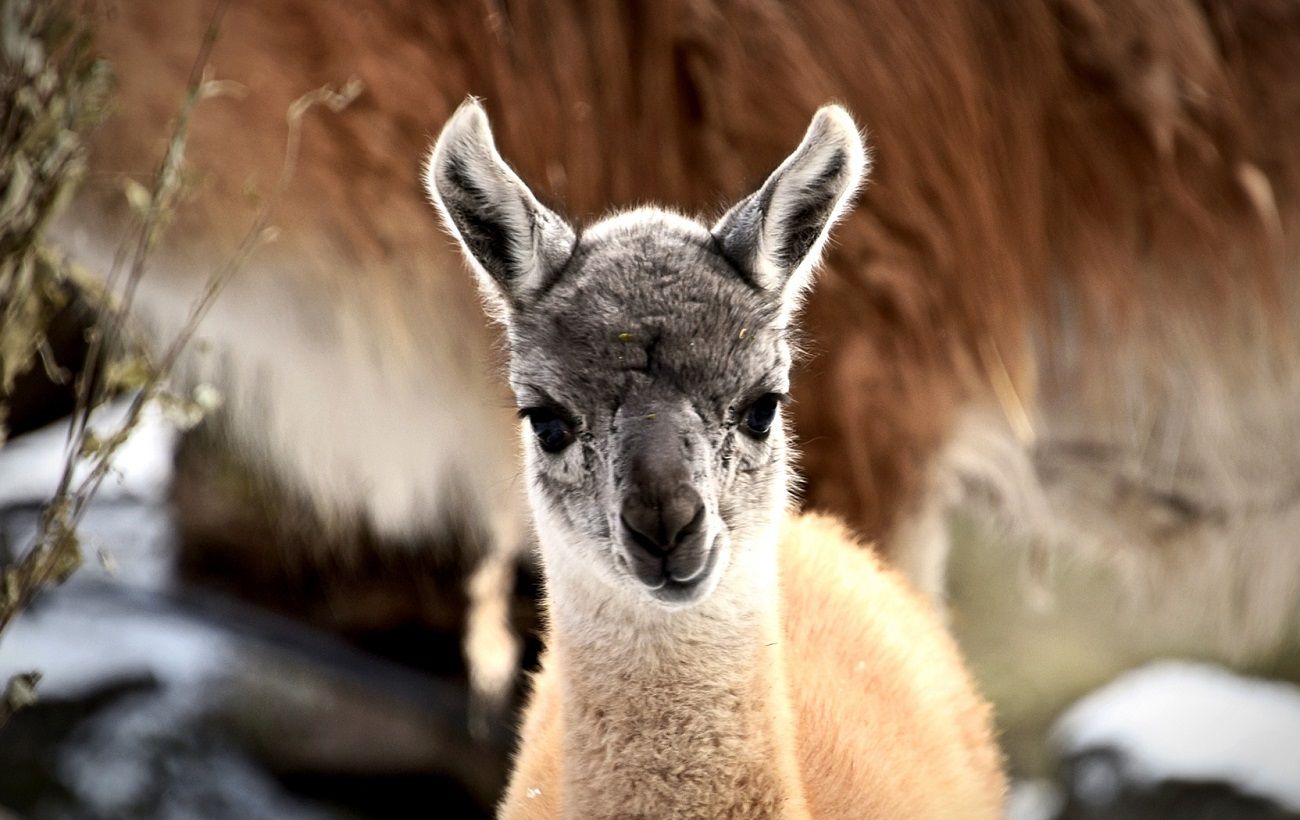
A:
[649,354]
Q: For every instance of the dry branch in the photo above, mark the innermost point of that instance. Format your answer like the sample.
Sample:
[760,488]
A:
[55,552]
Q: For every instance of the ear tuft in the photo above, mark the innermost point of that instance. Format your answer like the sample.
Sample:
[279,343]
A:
[777,234]
[513,242]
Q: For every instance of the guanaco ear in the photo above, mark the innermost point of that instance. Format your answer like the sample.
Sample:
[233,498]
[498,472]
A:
[513,241]
[777,233]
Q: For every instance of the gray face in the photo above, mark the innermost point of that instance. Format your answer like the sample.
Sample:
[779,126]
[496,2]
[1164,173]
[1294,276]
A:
[663,364]
[648,355]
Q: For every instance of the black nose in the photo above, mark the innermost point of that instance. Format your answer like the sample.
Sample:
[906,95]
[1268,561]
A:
[657,523]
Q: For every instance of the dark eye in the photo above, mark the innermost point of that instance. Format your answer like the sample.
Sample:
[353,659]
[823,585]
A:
[554,432]
[760,415]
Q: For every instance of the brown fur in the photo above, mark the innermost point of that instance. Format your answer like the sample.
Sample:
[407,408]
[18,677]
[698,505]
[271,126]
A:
[1080,207]
[868,712]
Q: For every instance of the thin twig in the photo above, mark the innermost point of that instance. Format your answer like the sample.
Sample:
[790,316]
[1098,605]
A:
[257,234]
[55,552]
[167,182]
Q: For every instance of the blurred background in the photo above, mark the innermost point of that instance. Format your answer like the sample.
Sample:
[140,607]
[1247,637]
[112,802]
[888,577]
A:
[261,531]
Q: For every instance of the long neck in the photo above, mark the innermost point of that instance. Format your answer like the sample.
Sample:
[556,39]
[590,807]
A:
[680,714]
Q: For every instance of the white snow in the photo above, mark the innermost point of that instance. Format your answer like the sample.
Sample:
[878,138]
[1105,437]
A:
[1034,800]
[128,543]
[1175,720]
[31,464]
[83,647]
[80,642]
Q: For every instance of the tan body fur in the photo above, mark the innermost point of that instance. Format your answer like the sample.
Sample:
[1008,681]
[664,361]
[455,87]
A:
[861,706]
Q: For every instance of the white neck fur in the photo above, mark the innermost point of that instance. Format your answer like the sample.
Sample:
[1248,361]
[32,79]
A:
[672,713]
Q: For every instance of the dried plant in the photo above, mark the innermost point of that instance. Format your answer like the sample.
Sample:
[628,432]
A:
[52,92]
[115,362]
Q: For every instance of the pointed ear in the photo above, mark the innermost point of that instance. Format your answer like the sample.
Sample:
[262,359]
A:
[513,242]
[777,234]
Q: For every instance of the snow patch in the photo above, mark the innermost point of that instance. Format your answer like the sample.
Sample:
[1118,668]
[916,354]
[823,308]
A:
[1034,800]
[1176,720]
[32,464]
[80,649]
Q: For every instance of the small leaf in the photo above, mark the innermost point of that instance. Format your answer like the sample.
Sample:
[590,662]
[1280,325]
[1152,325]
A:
[130,373]
[222,88]
[20,692]
[107,561]
[208,398]
[91,444]
[138,196]
[17,189]
[183,413]
[65,555]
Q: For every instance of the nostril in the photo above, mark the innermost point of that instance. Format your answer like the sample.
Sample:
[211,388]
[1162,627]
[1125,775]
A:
[645,542]
[691,527]
[682,516]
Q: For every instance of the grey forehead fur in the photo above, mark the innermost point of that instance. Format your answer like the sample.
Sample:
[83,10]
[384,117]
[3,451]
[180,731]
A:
[648,308]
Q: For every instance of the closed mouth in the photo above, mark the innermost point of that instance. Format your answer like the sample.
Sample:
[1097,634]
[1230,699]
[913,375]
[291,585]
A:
[666,588]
